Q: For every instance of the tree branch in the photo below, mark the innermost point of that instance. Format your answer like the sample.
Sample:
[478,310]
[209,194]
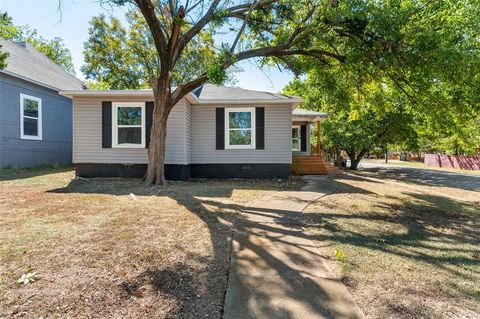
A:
[279,51]
[176,28]
[185,88]
[159,37]
[242,28]
[196,29]
[237,10]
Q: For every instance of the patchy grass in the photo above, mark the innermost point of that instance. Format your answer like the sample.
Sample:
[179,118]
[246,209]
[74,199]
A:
[113,248]
[403,250]
[420,165]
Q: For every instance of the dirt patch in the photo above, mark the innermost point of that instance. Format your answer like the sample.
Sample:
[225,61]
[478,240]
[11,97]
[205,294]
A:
[109,248]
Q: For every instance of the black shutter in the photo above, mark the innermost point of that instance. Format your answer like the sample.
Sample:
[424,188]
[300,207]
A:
[220,128]
[106,124]
[303,138]
[148,121]
[260,128]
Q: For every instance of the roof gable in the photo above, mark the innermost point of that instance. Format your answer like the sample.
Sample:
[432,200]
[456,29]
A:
[25,62]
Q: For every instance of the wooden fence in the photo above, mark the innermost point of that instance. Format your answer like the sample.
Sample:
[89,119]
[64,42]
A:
[453,161]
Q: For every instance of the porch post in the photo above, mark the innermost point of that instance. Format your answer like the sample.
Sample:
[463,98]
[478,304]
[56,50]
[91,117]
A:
[318,138]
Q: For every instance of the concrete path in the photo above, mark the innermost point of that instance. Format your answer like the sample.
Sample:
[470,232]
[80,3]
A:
[276,271]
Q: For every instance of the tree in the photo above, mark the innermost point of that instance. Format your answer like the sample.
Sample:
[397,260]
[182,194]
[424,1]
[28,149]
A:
[365,132]
[54,49]
[263,28]
[3,59]
[119,57]
[421,56]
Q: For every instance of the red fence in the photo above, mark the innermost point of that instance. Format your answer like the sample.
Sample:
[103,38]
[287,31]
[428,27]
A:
[453,161]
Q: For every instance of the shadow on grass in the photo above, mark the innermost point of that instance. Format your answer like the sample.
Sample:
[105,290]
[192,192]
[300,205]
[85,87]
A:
[427,177]
[423,216]
[178,283]
[434,229]
[8,174]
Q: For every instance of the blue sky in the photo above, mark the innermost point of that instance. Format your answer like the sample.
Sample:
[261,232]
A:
[72,25]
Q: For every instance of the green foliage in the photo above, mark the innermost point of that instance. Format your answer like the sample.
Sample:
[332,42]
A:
[421,57]
[110,59]
[54,49]
[124,57]
[360,133]
[215,71]
[3,59]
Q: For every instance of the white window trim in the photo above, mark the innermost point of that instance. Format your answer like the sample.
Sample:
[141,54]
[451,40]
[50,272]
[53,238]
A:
[299,138]
[227,128]
[115,106]
[39,118]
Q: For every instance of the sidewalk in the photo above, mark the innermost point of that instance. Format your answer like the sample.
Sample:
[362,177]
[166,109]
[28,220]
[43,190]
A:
[276,271]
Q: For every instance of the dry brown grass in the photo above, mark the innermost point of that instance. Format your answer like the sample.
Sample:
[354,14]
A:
[103,253]
[405,251]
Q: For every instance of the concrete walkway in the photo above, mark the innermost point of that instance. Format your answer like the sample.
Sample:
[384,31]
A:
[276,271]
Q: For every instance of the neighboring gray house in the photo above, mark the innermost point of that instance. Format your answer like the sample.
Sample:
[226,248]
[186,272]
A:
[212,132]
[35,121]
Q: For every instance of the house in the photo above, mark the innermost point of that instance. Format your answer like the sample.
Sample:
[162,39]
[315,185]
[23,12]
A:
[213,132]
[35,121]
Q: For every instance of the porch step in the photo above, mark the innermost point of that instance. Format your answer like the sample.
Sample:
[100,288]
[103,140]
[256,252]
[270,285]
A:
[312,165]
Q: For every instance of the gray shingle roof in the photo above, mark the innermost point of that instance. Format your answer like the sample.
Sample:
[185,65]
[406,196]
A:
[26,62]
[214,92]
[308,113]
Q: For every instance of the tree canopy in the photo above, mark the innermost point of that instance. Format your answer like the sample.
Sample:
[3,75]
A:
[54,49]
[421,57]
[124,57]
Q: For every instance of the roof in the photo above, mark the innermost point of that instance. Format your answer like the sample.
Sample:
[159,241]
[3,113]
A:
[307,115]
[25,62]
[215,92]
[205,94]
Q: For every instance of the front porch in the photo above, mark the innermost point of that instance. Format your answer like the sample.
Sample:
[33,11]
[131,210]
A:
[312,165]
[308,159]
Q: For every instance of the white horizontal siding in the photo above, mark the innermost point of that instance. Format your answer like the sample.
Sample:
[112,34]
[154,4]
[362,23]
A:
[188,132]
[87,145]
[278,124]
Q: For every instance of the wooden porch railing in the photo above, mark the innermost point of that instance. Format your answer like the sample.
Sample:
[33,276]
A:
[314,152]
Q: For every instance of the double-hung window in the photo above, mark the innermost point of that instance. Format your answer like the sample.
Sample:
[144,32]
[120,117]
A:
[240,128]
[296,138]
[30,117]
[128,125]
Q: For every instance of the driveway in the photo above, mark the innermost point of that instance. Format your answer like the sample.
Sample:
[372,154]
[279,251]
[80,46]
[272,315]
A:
[425,176]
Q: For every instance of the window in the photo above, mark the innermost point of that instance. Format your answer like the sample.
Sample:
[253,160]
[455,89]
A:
[239,126]
[30,117]
[296,138]
[128,125]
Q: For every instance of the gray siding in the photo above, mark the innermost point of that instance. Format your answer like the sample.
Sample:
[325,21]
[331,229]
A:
[56,144]
[309,132]
[87,139]
[188,133]
[278,122]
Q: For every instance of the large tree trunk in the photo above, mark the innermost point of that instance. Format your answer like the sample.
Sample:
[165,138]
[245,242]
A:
[355,159]
[156,152]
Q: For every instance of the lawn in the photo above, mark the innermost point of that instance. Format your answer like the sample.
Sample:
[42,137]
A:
[105,248]
[403,250]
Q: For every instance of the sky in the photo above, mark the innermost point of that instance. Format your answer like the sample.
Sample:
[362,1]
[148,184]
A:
[71,24]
